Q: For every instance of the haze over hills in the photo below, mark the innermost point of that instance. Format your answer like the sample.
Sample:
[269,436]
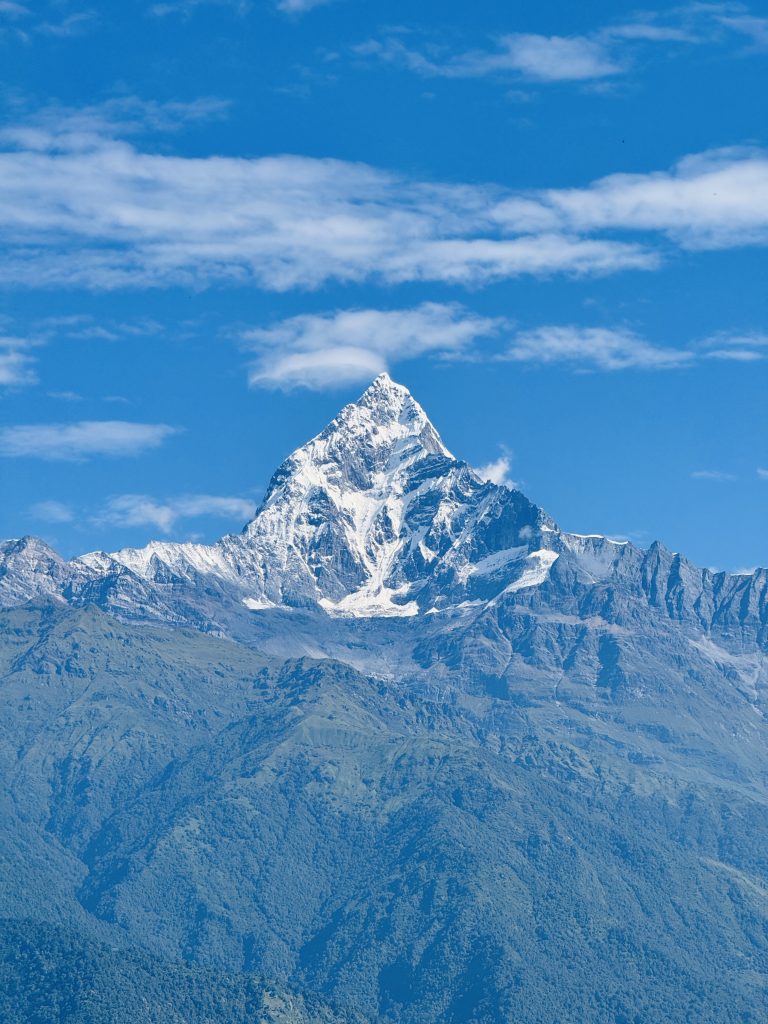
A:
[402,742]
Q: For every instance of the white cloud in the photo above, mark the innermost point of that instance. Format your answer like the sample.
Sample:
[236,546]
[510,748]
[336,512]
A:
[605,52]
[52,512]
[65,396]
[532,57]
[80,128]
[79,211]
[754,27]
[715,475]
[163,514]
[597,348]
[762,473]
[187,7]
[741,348]
[648,31]
[352,345]
[299,6]
[711,200]
[77,441]
[498,471]
[73,25]
[538,58]
[735,355]
[79,207]
[17,367]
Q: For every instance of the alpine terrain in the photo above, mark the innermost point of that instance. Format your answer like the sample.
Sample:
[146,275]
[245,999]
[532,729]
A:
[403,750]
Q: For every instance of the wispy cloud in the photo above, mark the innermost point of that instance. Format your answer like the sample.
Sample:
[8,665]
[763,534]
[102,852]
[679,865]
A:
[78,441]
[82,207]
[716,475]
[187,7]
[62,128]
[65,396]
[597,348]
[164,514]
[53,512]
[740,348]
[17,366]
[46,19]
[498,471]
[712,200]
[536,58]
[606,52]
[348,346]
[329,350]
[755,28]
[75,24]
[9,9]
[762,473]
[300,6]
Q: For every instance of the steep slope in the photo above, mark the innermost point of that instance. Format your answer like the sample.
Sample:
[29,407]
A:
[360,521]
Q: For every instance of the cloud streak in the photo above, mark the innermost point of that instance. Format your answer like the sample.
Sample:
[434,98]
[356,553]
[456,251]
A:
[596,348]
[715,475]
[133,219]
[163,514]
[53,512]
[80,207]
[350,346]
[74,442]
[604,53]
[300,6]
[188,7]
[536,58]
[739,348]
[330,350]
[17,366]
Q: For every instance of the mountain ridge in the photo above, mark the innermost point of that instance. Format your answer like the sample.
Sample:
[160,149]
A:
[373,520]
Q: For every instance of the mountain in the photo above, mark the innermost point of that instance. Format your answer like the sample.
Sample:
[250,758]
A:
[403,743]
[375,519]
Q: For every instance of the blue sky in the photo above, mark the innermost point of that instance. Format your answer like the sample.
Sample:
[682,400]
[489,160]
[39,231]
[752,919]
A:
[220,220]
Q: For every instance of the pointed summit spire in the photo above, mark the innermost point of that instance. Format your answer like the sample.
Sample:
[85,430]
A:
[387,413]
[383,385]
[382,432]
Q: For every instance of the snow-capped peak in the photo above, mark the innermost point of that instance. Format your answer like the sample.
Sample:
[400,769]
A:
[379,433]
[333,516]
[373,516]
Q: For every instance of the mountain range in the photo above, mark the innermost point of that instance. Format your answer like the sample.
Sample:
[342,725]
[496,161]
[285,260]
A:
[403,747]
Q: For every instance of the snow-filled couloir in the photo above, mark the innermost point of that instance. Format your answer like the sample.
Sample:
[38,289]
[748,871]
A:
[367,518]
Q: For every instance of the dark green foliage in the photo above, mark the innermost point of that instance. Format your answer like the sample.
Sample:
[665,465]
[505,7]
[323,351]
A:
[51,975]
[416,855]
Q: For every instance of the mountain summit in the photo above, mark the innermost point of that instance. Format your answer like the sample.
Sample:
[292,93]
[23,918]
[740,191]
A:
[375,519]
[372,517]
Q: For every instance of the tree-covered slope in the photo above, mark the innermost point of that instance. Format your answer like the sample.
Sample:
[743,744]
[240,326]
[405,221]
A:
[424,855]
[51,975]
